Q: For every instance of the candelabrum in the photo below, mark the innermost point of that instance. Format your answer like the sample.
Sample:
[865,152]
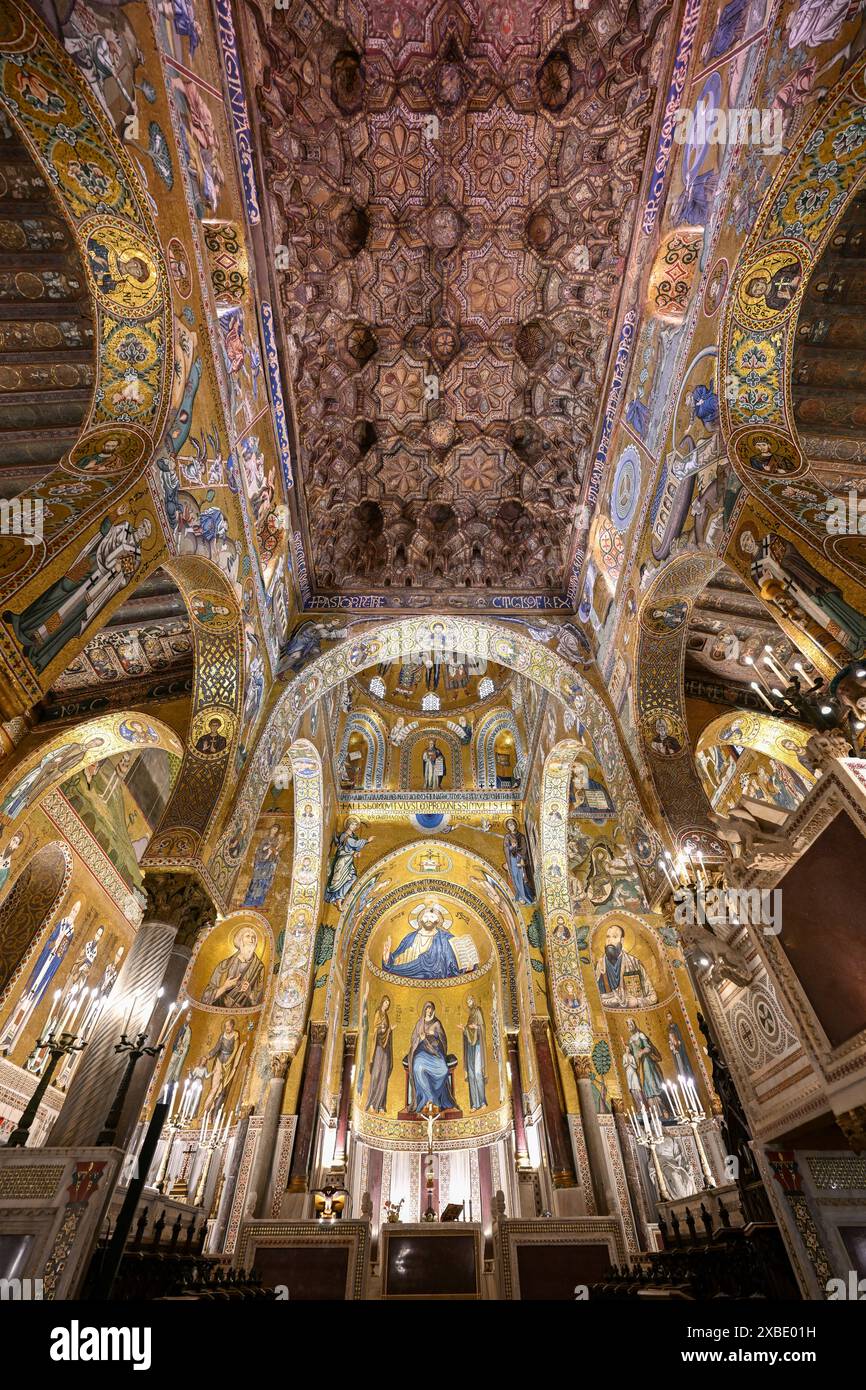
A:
[178,1116]
[172,1125]
[647,1129]
[686,1105]
[135,1048]
[208,1143]
[201,1186]
[57,1046]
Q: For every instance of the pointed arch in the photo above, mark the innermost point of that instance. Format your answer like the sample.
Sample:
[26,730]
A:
[372,727]
[580,692]
[572,1019]
[204,784]
[356,921]
[443,736]
[57,759]
[295,974]
[28,908]
[108,216]
[813,186]
[781,740]
[662,632]
[497,721]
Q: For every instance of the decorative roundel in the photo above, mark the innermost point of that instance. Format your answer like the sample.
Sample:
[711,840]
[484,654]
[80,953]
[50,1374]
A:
[770,284]
[849,551]
[611,546]
[625,489]
[212,731]
[642,842]
[179,267]
[748,1040]
[123,268]
[107,450]
[717,283]
[768,451]
[664,733]
[212,610]
[503,649]
[766,1016]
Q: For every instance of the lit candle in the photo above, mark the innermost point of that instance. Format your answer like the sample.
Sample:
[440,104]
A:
[203,1135]
[678,1100]
[132,1004]
[52,1024]
[769,660]
[758,691]
[182,1098]
[70,1009]
[668,876]
[166,1025]
[89,1013]
[695,1099]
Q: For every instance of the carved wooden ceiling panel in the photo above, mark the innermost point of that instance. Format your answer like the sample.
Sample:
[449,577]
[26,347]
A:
[453,187]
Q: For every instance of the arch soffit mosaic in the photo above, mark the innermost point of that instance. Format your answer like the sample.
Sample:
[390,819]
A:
[204,784]
[295,973]
[111,217]
[496,722]
[24,914]
[812,188]
[661,692]
[777,738]
[370,724]
[43,769]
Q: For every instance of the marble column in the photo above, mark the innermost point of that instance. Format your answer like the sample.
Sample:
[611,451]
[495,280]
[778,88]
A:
[308,1108]
[521,1145]
[555,1124]
[341,1144]
[639,1211]
[231,1182]
[271,1108]
[605,1201]
[485,1188]
[177,905]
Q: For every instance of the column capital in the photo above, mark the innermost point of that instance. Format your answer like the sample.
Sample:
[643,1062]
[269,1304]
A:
[581,1065]
[178,899]
[280,1064]
[318,1033]
[853,1125]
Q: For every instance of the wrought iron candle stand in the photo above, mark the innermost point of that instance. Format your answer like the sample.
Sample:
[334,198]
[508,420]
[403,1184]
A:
[61,1045]
[135,1049]
[689,1110]
[648,1132]
[173,1124]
